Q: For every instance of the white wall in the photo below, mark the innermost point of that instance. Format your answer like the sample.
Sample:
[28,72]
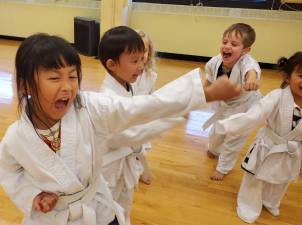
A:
[198,31]
[23,18]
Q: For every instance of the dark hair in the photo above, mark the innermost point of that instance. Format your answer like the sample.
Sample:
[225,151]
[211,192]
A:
[117,40]
[42,51]
[247,33]
[290,65]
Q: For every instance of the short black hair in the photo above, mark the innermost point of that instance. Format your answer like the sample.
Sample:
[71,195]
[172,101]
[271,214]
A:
[117,40]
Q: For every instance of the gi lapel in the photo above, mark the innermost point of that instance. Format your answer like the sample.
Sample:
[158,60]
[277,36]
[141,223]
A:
[49,163]
[286,111]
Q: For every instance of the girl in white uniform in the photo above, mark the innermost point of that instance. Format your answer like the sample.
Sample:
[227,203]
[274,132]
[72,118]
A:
[122,169]
[145,84]
[56,178]
[274,159]
[235,62]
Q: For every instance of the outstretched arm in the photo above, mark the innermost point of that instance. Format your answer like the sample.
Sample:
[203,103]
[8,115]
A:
[243,123]
[176,98]
[138,135]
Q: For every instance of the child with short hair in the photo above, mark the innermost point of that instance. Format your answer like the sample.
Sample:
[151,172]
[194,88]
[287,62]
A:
[125,164]
[50,158]
[235,62]
[274,159]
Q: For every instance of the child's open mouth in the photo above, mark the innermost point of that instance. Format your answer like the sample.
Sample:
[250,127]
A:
[61,103]
[226,55]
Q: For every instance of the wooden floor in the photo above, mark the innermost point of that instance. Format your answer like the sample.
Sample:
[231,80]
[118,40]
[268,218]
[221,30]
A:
[181,192]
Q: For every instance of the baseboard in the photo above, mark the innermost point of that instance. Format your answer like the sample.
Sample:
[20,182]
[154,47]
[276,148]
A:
[196,58]
[11,38]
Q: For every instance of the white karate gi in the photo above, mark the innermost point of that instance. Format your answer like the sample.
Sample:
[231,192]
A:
[274,158]
[121,168]
[227,147]
[28,166]
[145,85]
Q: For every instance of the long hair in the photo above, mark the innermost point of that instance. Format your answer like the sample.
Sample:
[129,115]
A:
[151,54]
[41,51]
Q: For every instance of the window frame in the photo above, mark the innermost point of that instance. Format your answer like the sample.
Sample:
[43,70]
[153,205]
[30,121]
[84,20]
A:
[250,4]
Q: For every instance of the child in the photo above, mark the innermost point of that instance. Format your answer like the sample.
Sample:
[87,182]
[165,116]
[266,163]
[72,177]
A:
[274,159]
[121,167]
[50,158]
[145,84]
[235,62]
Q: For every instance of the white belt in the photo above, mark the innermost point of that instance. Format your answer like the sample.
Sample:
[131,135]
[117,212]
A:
[77,204]
[282,144]
[288,167]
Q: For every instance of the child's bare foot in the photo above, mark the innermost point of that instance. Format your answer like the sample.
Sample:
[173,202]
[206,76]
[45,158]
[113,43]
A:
[145,179]
[211,155]
[217,175]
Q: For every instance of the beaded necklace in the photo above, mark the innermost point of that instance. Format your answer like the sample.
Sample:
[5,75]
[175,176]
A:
[52,138]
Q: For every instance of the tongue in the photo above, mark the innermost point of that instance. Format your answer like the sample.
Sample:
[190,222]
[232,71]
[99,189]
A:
[60,104]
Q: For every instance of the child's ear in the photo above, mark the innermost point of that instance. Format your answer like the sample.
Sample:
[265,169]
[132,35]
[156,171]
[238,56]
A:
[285,78]
[111,65]
[246,50]
[25,89]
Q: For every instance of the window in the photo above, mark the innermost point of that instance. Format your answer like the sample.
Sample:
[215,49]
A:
[252,4]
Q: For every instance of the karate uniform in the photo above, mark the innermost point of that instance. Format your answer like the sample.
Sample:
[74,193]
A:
[145,85]
[121,167]
[227,147]
[274,159]
[28,166]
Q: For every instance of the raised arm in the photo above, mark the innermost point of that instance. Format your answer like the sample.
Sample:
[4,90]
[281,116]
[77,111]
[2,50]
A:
[243,123]
[252,74]
[251,82]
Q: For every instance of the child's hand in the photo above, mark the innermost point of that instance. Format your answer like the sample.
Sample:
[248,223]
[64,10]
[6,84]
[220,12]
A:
[222,89]
[251,85]
[45,202]
[186,115]
[251,82]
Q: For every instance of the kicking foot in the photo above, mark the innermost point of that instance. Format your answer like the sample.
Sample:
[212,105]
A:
[217,176]
[145,179]
[211,155]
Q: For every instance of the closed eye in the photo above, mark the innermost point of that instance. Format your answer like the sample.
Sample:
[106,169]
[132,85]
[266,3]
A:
[54,78]
[73,77]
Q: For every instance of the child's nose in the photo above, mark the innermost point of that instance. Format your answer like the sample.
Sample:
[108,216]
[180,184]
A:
[66,85]
[227,45]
